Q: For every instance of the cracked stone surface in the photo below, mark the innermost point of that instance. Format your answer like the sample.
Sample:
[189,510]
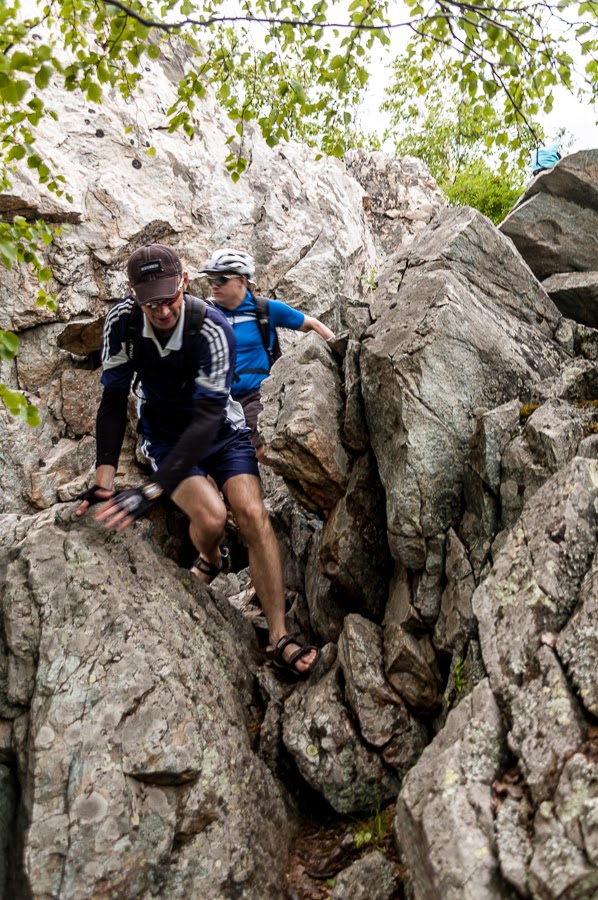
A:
[136,767]
[444,822]
[448,338]
[319,733]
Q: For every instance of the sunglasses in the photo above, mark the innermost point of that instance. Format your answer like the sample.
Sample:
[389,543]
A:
[220,280]
[154,304]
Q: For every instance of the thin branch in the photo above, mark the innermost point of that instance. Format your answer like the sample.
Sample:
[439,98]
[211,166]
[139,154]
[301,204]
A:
[247,20]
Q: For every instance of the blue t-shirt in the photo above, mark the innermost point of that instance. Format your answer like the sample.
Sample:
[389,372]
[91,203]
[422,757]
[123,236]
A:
[251,353]
[165,406]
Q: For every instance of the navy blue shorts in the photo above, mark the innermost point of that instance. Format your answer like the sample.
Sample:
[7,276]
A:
[231,456]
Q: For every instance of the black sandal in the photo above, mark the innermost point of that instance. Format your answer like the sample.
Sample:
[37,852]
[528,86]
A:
[276,655]
[213,569]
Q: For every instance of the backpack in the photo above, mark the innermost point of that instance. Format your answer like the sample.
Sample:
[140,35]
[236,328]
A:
[263,323]
[192,327]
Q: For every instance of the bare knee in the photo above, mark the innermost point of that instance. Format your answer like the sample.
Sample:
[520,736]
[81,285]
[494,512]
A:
[207,525]
[252,518]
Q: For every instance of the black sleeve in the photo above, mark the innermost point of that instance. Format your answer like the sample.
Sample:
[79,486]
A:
[111,422]
[193,445]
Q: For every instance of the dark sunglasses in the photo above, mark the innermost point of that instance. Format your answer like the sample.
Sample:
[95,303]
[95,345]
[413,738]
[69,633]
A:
[219,280]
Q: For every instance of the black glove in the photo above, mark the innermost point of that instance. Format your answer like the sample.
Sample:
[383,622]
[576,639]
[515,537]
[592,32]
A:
[91,495]
[136,502]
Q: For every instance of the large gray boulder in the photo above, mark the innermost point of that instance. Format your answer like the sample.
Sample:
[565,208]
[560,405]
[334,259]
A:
[554,228]
[401,196]
[536,578]
[444,822]
[460,324]
[135,763]
[539,593]
[319,733]
[300,424]
[553,234]
[576,295]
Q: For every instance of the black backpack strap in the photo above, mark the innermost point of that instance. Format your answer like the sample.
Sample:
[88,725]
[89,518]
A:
[195,312]
[263,323]
[133,340]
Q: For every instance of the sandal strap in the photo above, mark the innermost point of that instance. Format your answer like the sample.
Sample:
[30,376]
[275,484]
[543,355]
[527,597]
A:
[213,569]
[282,644]
[277,655]
[206,568]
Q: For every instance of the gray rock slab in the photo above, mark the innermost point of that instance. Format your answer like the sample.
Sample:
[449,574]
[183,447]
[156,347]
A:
[456,622]
[355,435]
[137,766]
[460,322]
[574,177]
[543,444]
[577,644]
[559,868]
[319,733]
[382,715]
[401,195]
[301,424]
[514,842]
[576,295]
[411,667]
[546,725]
[370,878]
[576,803]
[537,575]
[553,234]
[354,552]
[444,821]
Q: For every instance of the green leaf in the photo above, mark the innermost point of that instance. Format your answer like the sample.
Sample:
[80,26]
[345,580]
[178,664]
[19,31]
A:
[30,414]
[153,51]
[16,152]
[13,91]
[43,76]
[94,92]
[9,345]
[13,400]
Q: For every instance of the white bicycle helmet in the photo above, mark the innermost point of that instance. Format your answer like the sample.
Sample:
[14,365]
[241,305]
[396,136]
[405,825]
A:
[228,260]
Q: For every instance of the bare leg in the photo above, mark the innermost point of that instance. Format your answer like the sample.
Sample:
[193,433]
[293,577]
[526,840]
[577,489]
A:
[244,494]
[198,497]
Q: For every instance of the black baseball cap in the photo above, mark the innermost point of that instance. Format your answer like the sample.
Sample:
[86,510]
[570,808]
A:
[154,273]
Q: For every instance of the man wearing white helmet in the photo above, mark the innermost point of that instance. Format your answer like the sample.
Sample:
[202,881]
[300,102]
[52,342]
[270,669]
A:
[229,272]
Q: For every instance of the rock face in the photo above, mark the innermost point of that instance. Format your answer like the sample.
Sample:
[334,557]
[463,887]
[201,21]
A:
[554,227]
[444,811]
[437,515]
[448,338]
[135,756]
[400,196]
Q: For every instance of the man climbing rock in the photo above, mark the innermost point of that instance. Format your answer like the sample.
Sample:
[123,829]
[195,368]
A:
[254,321]
[183,351]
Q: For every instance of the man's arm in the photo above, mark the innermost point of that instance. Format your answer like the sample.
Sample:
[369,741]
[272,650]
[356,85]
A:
[111,418]
[311,324]
[111,421]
